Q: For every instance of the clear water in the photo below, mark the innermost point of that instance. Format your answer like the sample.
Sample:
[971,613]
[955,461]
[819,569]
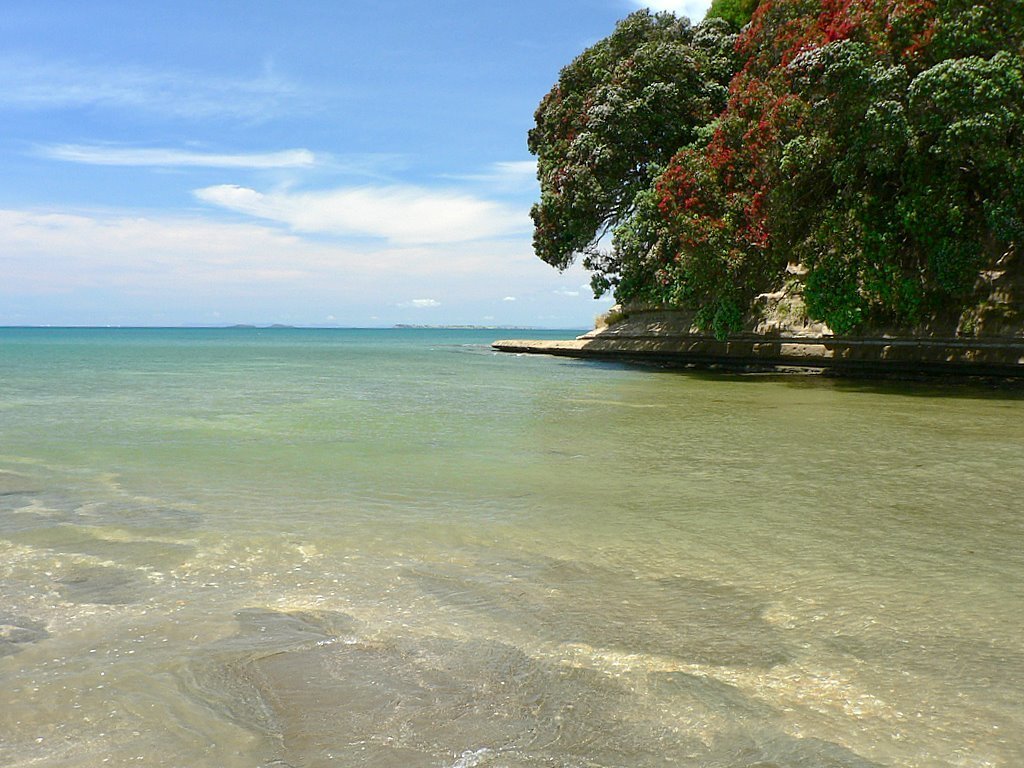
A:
[396,548]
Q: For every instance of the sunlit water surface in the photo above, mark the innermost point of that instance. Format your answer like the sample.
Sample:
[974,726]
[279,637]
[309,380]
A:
[397,548]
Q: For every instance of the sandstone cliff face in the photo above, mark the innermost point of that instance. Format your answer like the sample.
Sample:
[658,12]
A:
[999,307]
[995,311]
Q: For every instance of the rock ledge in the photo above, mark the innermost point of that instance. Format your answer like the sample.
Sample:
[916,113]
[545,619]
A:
[668,338]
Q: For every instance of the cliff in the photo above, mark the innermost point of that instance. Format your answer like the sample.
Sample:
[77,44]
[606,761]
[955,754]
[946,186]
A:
[986,339]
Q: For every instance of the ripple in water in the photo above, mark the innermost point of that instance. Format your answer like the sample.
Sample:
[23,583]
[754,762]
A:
[324,692]
[696,621]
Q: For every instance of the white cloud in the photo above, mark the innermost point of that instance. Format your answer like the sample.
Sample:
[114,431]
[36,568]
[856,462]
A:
[516,169]
[109,155]
[694,9]
[506,176]
[566,292]
[509,298]
[28,83]
[421,303]
[399,214]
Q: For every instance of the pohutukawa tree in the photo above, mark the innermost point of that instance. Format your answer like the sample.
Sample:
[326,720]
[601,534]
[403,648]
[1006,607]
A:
[878,142]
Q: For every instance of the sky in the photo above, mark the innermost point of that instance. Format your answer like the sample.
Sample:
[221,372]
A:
[306,162]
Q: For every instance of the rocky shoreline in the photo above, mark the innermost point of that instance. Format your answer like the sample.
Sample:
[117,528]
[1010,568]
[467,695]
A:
[985,339]
[667,338]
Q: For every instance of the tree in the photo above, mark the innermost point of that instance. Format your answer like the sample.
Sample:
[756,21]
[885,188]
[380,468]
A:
[880,143]
[616,116]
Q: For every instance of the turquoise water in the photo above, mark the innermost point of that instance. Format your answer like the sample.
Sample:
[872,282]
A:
[397,548]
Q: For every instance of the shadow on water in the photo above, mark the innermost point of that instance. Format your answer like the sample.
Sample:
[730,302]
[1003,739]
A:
[964,388]
[924,386]
[16,632]
[102,585]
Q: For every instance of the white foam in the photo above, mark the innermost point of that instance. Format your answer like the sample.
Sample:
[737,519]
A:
[471,758]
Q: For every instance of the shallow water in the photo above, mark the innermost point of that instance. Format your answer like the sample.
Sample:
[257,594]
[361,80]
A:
[396,548]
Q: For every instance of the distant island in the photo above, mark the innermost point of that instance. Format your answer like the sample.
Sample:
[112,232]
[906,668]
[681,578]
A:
[468,327]
[283,326]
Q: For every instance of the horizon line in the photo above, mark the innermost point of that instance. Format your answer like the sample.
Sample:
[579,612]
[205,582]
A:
[285,327]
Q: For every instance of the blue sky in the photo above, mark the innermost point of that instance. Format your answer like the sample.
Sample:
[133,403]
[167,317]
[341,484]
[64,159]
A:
[311,163]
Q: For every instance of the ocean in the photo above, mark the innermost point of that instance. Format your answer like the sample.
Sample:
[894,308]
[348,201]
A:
[397,548]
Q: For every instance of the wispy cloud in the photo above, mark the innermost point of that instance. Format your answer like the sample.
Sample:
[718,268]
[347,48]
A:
[379,166]
[111,155]
[505,176]
[400,214]
[37,84]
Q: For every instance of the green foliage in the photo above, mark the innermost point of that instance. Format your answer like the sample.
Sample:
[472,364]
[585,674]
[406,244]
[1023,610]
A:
[736,12]
[964,28]
[722,317]
[639,246]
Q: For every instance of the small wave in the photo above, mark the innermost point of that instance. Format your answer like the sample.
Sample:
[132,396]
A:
[471,758]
